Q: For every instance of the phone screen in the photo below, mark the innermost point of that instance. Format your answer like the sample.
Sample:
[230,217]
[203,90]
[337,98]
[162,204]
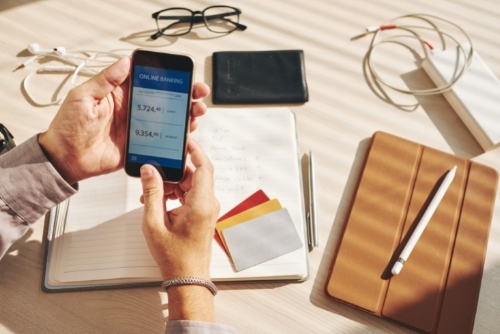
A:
[159,115]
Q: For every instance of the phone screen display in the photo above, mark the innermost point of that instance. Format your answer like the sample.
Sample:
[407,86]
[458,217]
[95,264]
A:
[158,120]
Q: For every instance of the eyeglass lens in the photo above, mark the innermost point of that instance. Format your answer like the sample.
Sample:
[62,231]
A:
[221,19]
[177,21]
[174,21]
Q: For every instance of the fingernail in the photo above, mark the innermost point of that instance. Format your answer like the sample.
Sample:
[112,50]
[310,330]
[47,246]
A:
[146,172]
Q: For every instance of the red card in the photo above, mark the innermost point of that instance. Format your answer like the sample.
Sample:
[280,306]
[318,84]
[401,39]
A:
[255,199]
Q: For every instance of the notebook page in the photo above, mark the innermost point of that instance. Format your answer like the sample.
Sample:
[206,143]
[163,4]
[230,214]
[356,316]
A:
[254,149]
[251,149]
[103,237]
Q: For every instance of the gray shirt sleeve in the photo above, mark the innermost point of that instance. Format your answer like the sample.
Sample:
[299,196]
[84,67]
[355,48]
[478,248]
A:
[197,327]
[29,187]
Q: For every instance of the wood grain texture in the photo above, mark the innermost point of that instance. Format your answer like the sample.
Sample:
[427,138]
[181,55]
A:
[345,108]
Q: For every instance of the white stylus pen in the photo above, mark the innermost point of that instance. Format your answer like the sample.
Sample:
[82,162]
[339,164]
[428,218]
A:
[423,221]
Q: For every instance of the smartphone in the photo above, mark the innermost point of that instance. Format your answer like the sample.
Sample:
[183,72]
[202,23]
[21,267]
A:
[159,113]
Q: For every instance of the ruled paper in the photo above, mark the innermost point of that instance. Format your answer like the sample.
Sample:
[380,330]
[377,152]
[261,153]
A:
[251,149]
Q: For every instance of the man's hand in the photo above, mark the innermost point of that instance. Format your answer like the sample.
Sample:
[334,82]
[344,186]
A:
[180,240]
[87,136]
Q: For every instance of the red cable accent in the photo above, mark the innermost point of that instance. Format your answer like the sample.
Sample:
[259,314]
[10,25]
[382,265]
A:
[388,26]
[429,45]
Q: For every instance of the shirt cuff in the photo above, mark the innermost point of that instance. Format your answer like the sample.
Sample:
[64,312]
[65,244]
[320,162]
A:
[29,183]
[197,327]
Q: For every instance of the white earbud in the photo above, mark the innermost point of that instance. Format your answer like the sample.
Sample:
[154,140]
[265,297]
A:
[34,48]
[78,64]
[60,50]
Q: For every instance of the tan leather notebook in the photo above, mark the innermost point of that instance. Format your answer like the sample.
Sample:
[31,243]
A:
[438,288]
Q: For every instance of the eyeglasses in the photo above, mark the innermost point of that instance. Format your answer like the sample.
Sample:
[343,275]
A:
[7,142]
[179,21]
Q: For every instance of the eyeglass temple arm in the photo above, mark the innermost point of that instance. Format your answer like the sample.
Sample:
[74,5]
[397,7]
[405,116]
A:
[160,31]
[239,26]
[222,16]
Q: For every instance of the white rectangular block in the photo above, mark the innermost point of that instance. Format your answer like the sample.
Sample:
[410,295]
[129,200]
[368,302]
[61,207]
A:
[475,97]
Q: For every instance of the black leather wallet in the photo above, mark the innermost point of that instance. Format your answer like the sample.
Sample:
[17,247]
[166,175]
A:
[259,77]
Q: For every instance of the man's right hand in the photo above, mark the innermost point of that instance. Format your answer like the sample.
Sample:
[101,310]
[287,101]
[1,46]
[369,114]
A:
[180,240]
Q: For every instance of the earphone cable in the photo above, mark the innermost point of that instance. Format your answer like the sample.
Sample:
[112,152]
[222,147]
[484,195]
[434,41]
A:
[86,66]
[413,30]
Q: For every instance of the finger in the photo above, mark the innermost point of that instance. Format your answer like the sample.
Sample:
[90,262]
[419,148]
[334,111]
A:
[202,178]
[175,191]
[173,196]
[168,188]
[179,193]
[108,79]
[186,183]
[152,194]
[198,108]
[193,125]
[200,90]
[198,157]
[166,196]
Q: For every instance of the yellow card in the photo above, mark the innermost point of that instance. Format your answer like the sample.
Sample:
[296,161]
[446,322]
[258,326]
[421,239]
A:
[255,212]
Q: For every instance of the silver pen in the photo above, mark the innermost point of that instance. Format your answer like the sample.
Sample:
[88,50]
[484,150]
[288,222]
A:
[313,227]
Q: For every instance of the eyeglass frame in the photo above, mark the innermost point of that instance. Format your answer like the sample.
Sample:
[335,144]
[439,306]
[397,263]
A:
[194,18]
[7,143]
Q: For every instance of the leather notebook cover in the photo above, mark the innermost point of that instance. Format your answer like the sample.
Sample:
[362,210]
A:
[438,288]
[257,77]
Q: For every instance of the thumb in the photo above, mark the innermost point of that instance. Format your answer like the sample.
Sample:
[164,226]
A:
[154,202]
[108,79]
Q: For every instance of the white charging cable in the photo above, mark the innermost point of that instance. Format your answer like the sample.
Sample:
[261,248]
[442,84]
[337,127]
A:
[414,33]
[86,62]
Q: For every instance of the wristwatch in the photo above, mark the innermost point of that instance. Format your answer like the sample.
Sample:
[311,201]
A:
[6,140]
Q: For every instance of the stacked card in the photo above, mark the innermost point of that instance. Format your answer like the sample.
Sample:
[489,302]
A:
[257,230]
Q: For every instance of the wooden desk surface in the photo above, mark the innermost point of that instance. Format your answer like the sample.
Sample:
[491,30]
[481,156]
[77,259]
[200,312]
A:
[344,110]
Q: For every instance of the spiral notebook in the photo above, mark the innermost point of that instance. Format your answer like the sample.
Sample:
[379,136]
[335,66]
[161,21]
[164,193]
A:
[95,239]
[437,290]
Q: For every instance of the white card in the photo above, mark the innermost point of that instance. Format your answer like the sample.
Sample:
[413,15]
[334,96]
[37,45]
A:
[261,239]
